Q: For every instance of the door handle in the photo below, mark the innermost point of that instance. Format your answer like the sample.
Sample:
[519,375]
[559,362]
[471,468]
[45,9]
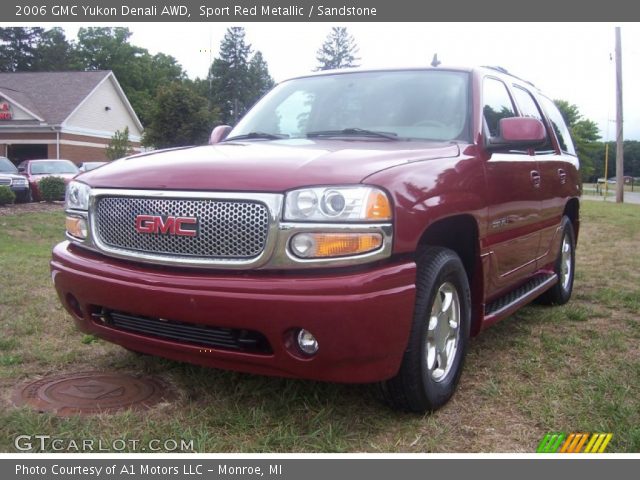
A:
[562,175]
[535,178]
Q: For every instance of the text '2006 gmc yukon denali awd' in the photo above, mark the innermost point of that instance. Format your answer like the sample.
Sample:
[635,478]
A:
[355,226]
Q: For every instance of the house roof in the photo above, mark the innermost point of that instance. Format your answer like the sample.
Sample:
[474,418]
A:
[52,96]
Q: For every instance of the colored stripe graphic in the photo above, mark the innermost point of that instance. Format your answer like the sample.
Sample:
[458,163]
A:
[574,442]
[550,443]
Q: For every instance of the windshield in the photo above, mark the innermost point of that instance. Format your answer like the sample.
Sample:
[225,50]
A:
[6,166]
[54,166]
[419,104]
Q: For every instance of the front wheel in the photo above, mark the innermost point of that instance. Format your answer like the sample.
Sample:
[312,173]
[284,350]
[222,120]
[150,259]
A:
[433,361]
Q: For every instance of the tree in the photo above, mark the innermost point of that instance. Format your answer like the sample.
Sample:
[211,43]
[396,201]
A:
[54,53]
[180,117]
[229,75]
[259,77]
[585,135]
[119,146]
[17,48]
[337,51]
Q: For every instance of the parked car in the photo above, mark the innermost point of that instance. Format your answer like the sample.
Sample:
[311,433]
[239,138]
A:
[354,226]
[9,176]
[36,170]
[86,166]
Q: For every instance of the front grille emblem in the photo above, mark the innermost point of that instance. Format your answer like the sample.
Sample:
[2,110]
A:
[167,225]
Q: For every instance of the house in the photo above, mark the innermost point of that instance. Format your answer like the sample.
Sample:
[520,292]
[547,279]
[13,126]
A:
[70,115]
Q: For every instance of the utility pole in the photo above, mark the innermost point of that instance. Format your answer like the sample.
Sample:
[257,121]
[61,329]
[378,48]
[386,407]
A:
[619,141]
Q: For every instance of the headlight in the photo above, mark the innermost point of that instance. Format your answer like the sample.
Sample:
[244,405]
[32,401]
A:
[337,204]
[20,182]
[77,196]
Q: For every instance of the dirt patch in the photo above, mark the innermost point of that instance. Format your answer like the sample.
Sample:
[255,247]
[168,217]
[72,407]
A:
[34,207]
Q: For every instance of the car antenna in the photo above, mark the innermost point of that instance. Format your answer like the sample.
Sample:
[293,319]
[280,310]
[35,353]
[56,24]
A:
[435,62]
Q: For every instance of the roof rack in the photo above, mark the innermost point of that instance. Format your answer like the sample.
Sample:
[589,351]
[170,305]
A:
[506,72]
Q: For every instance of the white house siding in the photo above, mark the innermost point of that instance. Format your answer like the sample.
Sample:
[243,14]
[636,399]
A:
[92,117]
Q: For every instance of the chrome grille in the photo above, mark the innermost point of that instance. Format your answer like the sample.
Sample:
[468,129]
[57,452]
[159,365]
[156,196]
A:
[5,181]
[227,229]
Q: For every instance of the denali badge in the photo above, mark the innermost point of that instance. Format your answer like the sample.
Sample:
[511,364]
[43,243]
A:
[183,226]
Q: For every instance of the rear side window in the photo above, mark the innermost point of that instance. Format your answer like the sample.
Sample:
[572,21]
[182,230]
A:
[562,132]
[497,104]
[529,108]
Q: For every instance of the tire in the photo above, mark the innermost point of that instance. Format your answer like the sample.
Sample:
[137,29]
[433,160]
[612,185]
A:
[426,379]
[564,267]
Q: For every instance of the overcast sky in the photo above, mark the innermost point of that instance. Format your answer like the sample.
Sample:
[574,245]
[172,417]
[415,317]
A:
[569,61]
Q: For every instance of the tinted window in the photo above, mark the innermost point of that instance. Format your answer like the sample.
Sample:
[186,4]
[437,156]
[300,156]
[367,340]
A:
[562,132]
[529,108]
[497,104]
[411,104]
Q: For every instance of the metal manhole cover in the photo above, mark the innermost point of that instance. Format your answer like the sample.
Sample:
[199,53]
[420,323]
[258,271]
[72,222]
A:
[91,392]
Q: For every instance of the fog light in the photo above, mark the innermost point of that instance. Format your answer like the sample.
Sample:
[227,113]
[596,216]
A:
[307,342]
[77,227]
[303,245]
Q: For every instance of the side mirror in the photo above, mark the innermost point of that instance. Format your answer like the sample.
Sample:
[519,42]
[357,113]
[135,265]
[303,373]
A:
[219,134]
[518,132]
[22,170]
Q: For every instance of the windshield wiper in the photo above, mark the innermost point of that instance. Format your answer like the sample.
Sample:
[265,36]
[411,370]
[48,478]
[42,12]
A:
[257,135]
[361,132]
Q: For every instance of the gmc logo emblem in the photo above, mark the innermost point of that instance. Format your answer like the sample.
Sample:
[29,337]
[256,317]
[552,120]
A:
[168,225]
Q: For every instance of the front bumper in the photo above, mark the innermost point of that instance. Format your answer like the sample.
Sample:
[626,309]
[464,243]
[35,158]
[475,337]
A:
[361,319]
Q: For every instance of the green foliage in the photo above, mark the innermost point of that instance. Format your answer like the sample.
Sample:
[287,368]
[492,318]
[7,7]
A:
[6,195]
[55,53]
[18,48]
[585,135]
[180,117]
[259,78]
[119,146]
[337,51]
[236,80]
[51,188]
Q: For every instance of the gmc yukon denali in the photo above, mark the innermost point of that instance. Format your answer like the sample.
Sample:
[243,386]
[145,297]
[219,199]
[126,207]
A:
[354,226]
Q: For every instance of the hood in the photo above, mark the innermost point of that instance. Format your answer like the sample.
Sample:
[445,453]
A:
[259,166]
[12,176]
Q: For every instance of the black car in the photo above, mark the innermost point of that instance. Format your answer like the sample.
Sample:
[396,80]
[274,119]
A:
[18,183]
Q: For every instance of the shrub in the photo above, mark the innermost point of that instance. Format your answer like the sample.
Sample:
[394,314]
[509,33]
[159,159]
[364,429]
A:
[52,188]
[6,195]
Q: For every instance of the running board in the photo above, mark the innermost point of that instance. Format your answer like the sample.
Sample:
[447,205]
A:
[517,298]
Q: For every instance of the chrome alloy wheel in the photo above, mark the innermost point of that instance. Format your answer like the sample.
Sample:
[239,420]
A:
[443,332]
[565,263]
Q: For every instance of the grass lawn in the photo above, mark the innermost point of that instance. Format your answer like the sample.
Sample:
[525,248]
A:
[574,368]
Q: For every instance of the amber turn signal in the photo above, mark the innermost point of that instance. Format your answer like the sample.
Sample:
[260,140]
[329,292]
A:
[325,245]
[378,207]
[76,227]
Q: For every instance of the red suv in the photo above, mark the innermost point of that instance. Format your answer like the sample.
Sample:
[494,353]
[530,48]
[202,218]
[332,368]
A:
[355,226]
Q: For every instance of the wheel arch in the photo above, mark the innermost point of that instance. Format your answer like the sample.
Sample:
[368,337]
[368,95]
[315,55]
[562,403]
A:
[572,211]
[460,233]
